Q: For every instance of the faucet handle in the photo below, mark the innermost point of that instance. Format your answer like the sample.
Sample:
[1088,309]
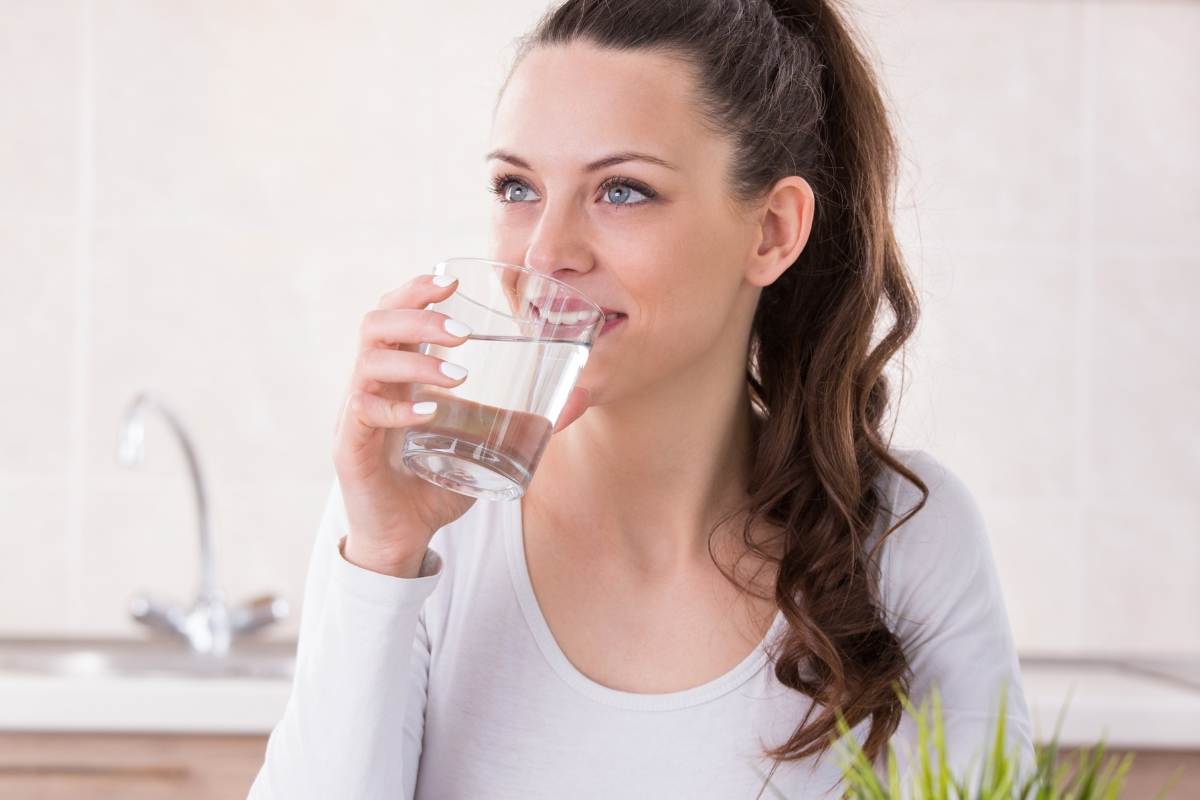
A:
[257,612]
[160,615]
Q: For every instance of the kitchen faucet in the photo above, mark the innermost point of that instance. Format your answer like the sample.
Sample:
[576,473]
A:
[209,626]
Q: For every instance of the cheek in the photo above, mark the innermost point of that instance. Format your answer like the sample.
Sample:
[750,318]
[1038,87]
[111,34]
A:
[508,236]
[683,302]
[697,316]
[656,252]
[686,264]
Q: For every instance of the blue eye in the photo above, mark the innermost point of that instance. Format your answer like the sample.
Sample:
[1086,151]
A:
[522,191]
[510,188]
[623,185]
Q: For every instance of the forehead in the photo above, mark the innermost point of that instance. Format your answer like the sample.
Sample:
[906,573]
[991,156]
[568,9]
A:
[575,102]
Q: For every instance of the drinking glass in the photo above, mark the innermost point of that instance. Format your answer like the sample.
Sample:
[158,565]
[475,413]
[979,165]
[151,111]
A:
[530,338]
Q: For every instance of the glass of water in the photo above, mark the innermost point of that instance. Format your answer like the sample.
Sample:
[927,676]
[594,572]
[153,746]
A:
[530,337]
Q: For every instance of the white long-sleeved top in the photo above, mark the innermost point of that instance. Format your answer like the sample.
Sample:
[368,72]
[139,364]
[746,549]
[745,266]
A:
[451,685]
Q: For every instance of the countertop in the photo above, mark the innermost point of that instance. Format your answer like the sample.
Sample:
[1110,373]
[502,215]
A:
[1135,704]
[1131,706]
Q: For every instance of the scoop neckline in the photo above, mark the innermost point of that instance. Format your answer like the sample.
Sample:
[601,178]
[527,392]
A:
[557,659]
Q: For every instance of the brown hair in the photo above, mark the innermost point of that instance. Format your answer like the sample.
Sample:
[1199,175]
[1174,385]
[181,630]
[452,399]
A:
[787,82]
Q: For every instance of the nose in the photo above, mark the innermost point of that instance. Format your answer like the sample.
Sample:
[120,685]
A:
[558,245]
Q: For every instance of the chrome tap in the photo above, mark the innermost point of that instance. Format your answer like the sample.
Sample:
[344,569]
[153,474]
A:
[209,626]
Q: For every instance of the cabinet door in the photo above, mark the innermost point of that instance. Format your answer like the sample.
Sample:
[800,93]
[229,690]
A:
[102,766]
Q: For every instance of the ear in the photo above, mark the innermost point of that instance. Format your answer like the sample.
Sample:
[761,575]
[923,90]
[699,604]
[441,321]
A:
[783,222]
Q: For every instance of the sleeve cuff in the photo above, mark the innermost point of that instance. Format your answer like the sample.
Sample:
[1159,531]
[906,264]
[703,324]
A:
[387,590]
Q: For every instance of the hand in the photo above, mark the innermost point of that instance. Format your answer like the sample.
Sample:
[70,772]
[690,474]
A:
[392,512]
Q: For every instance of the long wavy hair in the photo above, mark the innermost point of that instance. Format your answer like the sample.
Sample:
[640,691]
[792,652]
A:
[788,83]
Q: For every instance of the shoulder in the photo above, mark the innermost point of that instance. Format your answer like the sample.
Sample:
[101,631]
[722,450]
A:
[949,514]
[942,598]
[945,516]
[942,552]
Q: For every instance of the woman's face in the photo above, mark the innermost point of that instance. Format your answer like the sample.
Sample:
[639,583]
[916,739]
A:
[576,146]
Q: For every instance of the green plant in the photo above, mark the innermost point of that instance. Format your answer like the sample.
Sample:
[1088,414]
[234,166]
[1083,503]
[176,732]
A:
[930,778]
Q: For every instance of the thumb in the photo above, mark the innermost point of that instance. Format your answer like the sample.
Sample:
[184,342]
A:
[577,403]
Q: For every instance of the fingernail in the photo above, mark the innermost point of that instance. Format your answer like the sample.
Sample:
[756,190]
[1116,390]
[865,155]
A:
[456,328]
[424,407]
[444,280]
[453,371]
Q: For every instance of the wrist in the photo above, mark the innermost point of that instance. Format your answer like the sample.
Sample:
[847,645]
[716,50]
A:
[392,562]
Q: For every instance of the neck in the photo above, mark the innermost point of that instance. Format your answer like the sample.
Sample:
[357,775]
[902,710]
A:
[644,479]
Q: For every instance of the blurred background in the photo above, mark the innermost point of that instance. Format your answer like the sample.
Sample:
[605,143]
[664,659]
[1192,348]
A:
[200,200]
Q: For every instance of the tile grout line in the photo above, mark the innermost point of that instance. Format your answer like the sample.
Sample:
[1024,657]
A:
[83,317]
[1085,267]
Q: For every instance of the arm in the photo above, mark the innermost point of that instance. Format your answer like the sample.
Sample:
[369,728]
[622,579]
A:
[945,603]
[353,723]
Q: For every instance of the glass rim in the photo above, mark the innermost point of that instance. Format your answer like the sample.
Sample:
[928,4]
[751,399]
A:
[530,271]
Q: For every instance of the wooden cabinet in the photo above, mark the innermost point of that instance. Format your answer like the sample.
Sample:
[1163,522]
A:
[102,766]
[1152,770]
[99,766]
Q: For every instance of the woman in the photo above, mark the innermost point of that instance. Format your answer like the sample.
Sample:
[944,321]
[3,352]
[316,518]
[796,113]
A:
[722,552]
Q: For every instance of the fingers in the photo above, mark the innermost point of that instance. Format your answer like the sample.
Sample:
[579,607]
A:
[408,327]
[401,319]
[419,292]
[379,395]
[403,366]
[365,419]
[384,332]
[373,412]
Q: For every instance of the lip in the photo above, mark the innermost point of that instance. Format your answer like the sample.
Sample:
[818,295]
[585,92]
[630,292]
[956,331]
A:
[612,323]
[562,304]
[620,315]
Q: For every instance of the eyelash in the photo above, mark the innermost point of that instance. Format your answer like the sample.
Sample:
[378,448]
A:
[500,183]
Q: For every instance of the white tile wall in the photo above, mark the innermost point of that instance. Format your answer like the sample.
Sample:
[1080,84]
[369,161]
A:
[203,199]
[987,98]
[40,55]
[1143,63]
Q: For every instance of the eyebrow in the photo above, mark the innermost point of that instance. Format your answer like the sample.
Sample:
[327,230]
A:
[600,163]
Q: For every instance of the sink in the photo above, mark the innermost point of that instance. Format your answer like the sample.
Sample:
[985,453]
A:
[136,658]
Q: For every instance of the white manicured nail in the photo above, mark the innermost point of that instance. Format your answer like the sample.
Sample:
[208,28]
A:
[456,328]
[444,280]
[424,407]
[454,371]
